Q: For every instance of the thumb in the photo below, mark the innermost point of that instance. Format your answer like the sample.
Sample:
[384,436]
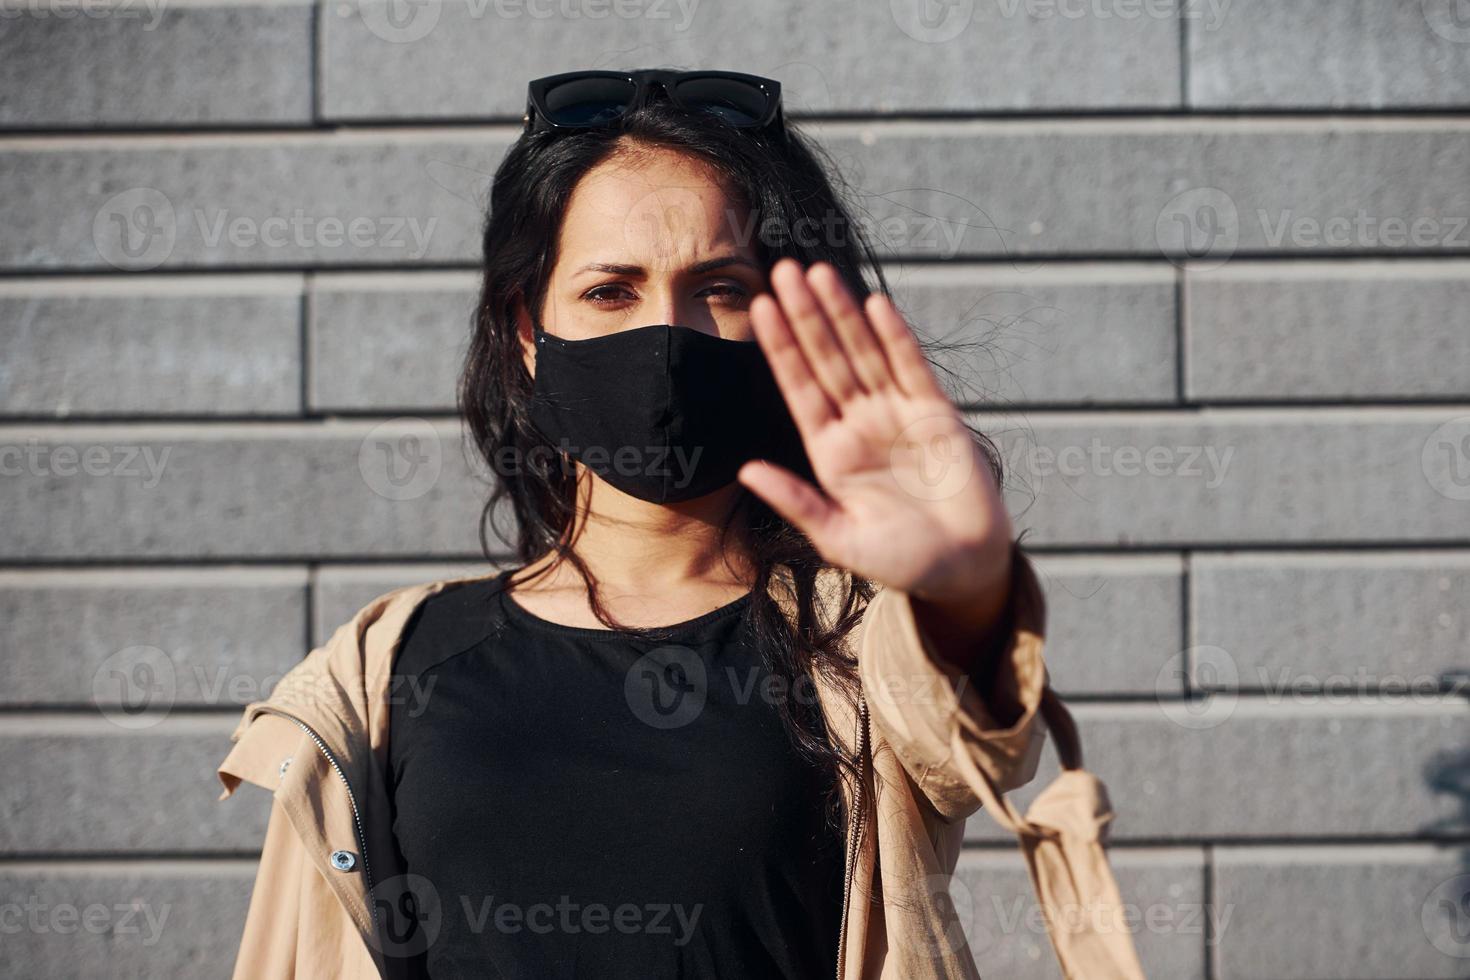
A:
[806,507]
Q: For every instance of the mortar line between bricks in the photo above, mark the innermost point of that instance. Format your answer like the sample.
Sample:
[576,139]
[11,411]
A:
[314,69]
[1017,262]
[510,125]
[1040,264]
[67,713]
[1103,414]
[1183,57]
[1335,842]
[1207,411]
[309,624]
[150,862]
[1446,693]
[1019,265]
[1103,551]
[1181,846]
[1186,620]
[224,569]
[1212,900]
[1181,337]
[1210,410]
[305,309]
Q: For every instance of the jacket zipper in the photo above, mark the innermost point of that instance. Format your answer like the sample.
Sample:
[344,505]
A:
[854,832]
[367,871]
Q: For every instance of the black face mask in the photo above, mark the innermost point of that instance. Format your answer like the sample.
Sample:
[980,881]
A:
[664,413]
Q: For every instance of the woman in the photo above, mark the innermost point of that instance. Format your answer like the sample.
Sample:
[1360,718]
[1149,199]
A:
[766,635]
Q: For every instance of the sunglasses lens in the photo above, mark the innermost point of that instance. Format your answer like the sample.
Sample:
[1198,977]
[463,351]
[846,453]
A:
[588,101]
[738,103]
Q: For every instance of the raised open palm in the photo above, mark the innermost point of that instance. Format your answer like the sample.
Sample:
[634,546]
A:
[905,496]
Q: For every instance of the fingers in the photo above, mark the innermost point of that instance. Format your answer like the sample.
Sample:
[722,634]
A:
[827,350]
[905,358]
[814,334]
[852,328]
[806,507]
[810,408]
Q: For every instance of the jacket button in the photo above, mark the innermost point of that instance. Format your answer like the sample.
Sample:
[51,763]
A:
[344,860]
[285,764]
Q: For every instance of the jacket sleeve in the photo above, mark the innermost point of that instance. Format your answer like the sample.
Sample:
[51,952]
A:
[269,941]
[917,699]
[294,926]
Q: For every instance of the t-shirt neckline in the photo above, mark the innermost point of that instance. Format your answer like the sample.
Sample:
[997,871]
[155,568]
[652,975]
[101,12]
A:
[521,614]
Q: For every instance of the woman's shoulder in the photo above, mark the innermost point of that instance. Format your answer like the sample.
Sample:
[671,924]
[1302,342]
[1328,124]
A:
[455,618]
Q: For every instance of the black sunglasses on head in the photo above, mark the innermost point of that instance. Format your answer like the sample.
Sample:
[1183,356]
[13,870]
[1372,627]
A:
[592,99]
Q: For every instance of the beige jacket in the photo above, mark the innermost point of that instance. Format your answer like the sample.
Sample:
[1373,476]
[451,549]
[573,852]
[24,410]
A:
[327,876]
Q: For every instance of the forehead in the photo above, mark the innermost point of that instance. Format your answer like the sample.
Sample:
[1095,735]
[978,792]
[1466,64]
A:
[646,203]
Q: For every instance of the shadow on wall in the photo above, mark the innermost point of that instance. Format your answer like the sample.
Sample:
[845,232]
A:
[1448,773]
[1446,911]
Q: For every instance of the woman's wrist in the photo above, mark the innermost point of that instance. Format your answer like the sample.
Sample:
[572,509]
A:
[967,627]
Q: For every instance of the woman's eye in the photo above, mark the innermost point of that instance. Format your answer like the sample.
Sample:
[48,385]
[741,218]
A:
[725,291]
[607,295]
[611,294]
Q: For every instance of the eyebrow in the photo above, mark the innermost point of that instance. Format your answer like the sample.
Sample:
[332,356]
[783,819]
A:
[708,265]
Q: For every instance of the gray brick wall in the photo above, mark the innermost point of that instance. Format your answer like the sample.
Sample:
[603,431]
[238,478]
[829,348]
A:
[1214,259]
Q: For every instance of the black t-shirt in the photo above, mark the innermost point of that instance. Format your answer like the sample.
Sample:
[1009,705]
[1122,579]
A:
[583,805]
